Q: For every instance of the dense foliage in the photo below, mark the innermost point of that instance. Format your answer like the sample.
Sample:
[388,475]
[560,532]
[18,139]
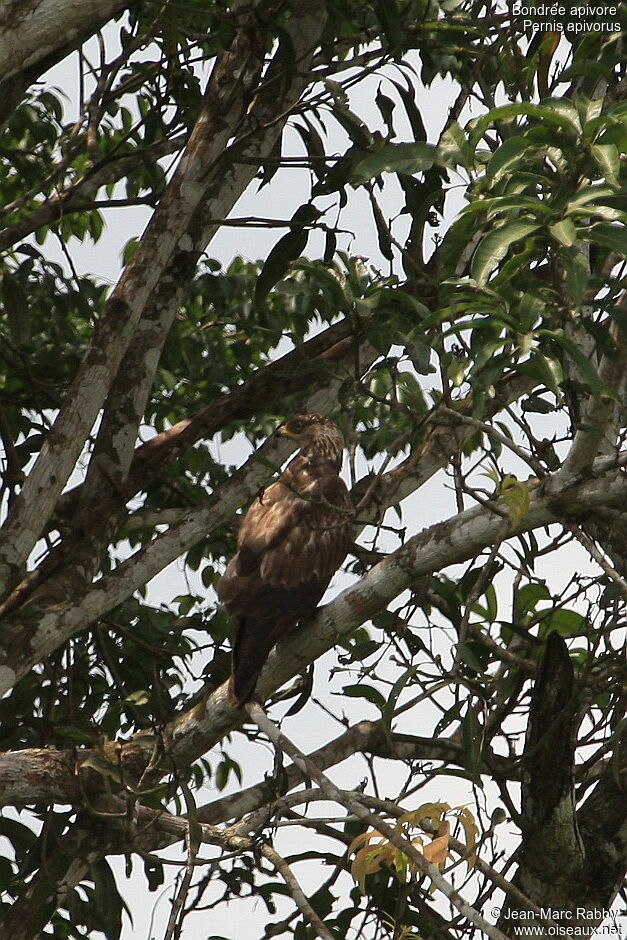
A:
[455,300]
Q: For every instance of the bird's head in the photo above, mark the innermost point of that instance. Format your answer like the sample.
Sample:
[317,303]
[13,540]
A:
[316,436]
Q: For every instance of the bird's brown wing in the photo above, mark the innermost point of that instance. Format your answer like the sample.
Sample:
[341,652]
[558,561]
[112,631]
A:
[315,544]
[290,544]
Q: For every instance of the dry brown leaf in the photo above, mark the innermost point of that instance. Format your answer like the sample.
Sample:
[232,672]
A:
[437,850]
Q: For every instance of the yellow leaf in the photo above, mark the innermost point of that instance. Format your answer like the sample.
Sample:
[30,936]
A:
[516,495]
[371,859]
[364,837]
[471,834]
[432,811]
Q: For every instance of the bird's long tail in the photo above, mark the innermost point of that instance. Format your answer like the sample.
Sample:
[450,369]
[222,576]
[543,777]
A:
[253,642]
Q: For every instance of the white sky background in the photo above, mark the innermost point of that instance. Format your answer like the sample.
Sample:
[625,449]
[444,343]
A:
[433,503]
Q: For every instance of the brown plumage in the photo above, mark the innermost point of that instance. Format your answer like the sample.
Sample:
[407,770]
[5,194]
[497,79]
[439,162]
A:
[292,540]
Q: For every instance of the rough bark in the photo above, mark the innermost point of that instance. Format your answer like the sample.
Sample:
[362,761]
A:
[551,854]
[570,876]
[36,34]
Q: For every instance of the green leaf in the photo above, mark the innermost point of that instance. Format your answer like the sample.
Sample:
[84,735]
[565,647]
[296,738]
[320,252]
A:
[507,203]
[587,195]
[494,247]
[453,146]
[528,596]
[195,829]
[472,741]
[562,112]
[223,771]
[508,155]
[73,733]
[593,211]
[564,231]
[554,112]
[455,243]
[471,659]
[611,236]
[286,250]
[407,95]
[585,367]
[566,622]
[368,692]
[154,873]
[326,282]
[358,132]
[388,15]
[607,159]
[102,766]
[386,106]
[107,899]
[537,405]
[394,158]
[588,109]
[313,144]
[388,709]
[491,602]
[576,274]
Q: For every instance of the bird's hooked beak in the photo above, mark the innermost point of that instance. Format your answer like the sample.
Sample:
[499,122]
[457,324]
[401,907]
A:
[282,431]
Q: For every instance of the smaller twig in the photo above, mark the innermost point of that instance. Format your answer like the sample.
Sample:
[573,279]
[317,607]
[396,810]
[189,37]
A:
[175,921]
[591,548]
[296,891]
[535,465]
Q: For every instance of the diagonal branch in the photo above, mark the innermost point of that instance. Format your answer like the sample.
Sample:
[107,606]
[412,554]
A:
[306,365]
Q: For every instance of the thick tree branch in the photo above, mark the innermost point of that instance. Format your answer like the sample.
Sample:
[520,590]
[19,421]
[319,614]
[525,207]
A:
[314,361]
[36,34]
[31,29]
[39,775]
[597,416]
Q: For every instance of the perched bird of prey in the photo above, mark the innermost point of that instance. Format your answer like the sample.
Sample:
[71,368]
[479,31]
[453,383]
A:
[292,540]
